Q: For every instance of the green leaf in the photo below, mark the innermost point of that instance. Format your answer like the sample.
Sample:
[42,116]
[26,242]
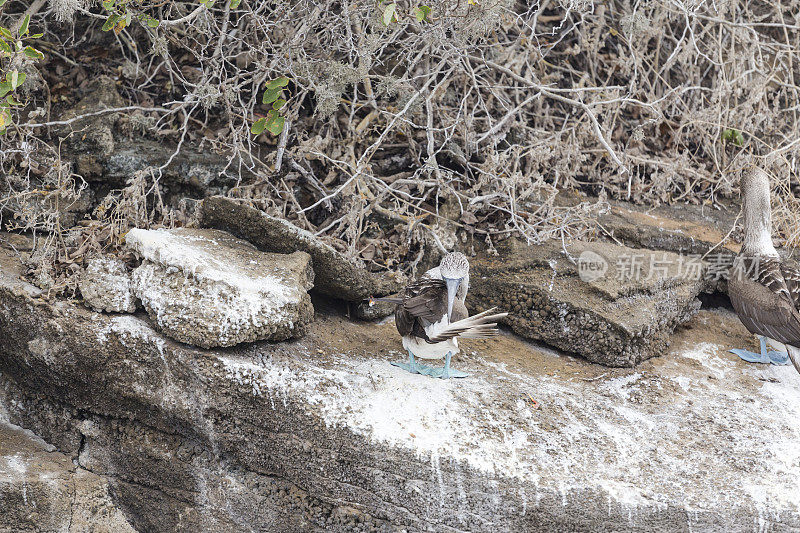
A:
[270,95]
[422,13]
[235,3]
[733,136]
[110,22]
[278,103]
[278,82]
[259,126]
[153,23]
[33,53]
[4,47]
[23,30]
[275,123]
[5,120]
[5,88]
[2,2]
[108,5]
[389,13]
[35,36]
[5,33]
[12,101]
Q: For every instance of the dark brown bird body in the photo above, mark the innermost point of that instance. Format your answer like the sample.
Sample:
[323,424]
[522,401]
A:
[424,304]
[764,290]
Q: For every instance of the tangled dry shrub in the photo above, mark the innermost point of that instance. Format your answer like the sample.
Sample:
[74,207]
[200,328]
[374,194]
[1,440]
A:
[468,122]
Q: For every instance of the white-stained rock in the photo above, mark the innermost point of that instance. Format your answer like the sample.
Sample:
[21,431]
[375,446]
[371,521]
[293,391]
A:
[324,434]
[42,490]
[208,288]
[106,286]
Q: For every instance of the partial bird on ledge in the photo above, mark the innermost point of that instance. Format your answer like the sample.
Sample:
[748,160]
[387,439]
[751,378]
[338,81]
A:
[764,290]
[431,316]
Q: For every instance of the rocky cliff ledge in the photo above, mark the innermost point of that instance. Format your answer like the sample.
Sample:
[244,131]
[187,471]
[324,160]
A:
[323,434]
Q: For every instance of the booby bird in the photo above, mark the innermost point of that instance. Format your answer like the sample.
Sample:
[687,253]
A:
[764,291]
[431,315]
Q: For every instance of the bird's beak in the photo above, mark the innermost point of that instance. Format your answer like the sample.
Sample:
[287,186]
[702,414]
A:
[452,287]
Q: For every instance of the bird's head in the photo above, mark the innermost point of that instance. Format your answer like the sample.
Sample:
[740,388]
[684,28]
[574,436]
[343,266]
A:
[455,273]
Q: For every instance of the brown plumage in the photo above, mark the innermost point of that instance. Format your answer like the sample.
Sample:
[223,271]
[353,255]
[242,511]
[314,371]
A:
[764,291]
[424,303]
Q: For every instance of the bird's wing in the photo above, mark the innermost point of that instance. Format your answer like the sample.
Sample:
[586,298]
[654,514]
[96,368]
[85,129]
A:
[424,302]
[403,321]
[426,299]
[791,275]
[763,301]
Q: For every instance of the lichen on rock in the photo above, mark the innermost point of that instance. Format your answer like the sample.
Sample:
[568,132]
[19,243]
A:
[207,288]
[106,286]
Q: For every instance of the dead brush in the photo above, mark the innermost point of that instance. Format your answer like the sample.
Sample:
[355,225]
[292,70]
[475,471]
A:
[403,131]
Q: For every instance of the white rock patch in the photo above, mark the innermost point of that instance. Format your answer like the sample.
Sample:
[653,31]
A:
[586,434]
[207,288]
[106,286]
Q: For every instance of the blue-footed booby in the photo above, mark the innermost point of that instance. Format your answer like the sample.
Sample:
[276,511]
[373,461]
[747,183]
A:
[431,315]
[764,290]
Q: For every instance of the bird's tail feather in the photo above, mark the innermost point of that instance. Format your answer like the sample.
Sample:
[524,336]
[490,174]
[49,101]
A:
[794,355]
[480,326]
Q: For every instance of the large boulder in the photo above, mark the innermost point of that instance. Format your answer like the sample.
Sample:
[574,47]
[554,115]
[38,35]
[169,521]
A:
[323,434]
[335,274]
[208,288]
[618,315]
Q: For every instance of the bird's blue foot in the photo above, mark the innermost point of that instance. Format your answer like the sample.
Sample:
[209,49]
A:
[414,367]
[447,372]
[766,356]
[778,358]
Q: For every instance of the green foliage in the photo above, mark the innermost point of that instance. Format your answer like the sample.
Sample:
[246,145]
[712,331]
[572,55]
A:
[422,13]
[730,135]
[11,46]
[390,13]
[273,122]
[123,12]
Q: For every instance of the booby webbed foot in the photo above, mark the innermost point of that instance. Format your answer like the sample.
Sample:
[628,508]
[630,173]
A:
[415,368]
[447,372]
[766,356]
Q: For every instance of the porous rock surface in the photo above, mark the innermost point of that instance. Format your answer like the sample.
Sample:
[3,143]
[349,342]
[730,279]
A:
[323,434]
[687,229]
[208,288]
[106,286]
[335,275]
[42,491]
[620,319]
